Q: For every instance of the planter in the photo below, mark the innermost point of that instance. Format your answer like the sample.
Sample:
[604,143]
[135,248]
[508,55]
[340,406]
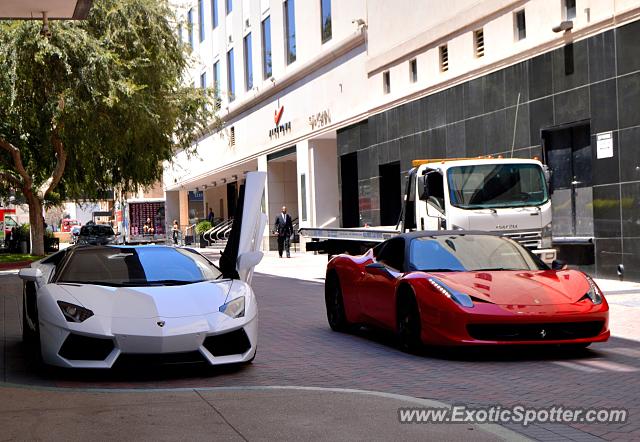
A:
[203,243]
[24,247]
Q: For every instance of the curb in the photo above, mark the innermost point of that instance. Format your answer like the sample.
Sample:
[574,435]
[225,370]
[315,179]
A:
[14,265]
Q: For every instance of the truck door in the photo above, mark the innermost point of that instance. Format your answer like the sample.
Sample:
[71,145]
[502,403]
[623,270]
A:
[568,155]
[432,215]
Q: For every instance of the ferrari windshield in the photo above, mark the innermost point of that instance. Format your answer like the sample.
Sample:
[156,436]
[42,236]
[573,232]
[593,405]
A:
[496,185]
[136,266]
[460,253]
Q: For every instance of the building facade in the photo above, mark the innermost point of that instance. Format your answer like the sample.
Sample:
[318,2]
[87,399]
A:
[337,98]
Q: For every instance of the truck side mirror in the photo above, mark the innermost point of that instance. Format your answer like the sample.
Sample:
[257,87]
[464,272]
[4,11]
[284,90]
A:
[423,191]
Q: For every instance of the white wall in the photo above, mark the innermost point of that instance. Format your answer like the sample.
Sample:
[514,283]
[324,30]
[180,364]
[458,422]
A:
[324,195]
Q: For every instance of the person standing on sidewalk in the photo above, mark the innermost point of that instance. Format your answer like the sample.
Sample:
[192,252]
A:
[284,229]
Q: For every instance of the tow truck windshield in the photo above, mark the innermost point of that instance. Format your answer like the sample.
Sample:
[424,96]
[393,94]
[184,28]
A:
[488,186]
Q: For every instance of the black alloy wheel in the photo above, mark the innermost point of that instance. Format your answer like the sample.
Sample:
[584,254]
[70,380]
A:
[335,306]
[409,324]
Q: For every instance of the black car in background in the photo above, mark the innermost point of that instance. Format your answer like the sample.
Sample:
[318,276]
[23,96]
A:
[96,234]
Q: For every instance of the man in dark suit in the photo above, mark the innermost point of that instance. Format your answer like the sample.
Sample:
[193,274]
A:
[284,229]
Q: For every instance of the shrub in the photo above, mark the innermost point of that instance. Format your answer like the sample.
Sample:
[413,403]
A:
[202,227]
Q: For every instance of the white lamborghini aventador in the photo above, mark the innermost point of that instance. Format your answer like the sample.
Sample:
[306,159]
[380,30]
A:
[91,306]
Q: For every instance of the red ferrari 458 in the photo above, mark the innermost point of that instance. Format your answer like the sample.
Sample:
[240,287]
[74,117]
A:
[471,288]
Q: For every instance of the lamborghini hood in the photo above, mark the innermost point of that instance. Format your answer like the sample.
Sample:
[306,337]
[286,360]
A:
[151,302]
[545,287]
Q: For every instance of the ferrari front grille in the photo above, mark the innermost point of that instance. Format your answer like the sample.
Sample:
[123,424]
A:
[232,343]
[85,348]
[555,331]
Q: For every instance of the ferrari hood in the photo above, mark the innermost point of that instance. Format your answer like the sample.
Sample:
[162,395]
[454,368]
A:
[151,302]
[545,287]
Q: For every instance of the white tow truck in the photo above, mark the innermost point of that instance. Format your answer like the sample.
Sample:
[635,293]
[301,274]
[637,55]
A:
[508,196]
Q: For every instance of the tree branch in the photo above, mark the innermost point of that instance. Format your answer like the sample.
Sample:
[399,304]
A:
[17,162]
[61,162]
[10,177]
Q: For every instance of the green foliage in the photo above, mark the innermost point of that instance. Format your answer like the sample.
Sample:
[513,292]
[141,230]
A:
[23,232]
[112,85]
[202,227]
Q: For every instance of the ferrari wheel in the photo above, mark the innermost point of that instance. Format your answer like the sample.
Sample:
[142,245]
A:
[409,324]
[335,305]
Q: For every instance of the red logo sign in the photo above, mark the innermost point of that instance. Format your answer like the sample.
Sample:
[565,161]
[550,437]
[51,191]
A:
[278,114]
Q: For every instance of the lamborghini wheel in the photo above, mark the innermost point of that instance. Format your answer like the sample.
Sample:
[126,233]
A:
[409,323]
[335,305]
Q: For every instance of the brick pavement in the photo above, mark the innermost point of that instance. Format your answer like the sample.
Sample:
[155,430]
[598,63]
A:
[298,348]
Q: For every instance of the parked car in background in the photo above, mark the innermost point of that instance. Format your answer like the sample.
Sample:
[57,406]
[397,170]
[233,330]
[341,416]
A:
[96,234]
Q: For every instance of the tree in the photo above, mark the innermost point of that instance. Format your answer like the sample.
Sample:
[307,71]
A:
[99,104]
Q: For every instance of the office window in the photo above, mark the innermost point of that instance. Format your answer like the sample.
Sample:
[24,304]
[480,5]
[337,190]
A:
[248,64]
[325,25]
[231,83]
[521,25]
[214,13]
[413,70]
[201,18]
[266,48]
[386,82]
[228,6]
[444,58]
[289,30]
[232,137]
[478,42]
[203,80]
[569,9]
[216,78]
[190,25]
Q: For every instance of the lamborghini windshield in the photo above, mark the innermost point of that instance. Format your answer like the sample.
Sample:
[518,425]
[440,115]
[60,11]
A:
[136,266]
[463,253]
[496,185]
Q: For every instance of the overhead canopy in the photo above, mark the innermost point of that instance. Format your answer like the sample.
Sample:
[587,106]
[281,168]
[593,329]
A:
[55,9]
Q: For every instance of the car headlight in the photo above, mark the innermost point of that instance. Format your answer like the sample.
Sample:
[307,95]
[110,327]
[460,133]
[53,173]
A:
[74,313]
[234,308]
[458,297]
[594,294]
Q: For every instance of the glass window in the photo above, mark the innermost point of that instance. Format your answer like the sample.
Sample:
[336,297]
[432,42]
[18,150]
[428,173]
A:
[469,253]
[214,13]
[325,25]
[290,30]
[137,266]
[96,230]
[228,6]
[190,26]
[216,78]
[413,70]
[203,80]
[266,48]
[231,84]
[303,195]
[521,25]
[391,253]
[496,185]
[569,9]
[248,63]
[201,18]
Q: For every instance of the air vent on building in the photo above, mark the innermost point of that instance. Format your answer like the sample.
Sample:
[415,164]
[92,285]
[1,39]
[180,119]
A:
[247,23]
[478,40]
[413,70]
[444,58]
[232,137]
[230,39]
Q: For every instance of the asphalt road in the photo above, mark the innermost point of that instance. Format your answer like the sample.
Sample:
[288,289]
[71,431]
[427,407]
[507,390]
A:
[297,348]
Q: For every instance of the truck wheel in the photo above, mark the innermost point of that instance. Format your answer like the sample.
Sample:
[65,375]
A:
[335,305]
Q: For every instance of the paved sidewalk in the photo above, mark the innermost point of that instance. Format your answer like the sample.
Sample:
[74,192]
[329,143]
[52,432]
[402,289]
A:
[258,413]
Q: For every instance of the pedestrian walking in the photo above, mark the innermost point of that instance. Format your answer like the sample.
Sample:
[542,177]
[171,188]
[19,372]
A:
[211,216]
[175,231]
[284,229]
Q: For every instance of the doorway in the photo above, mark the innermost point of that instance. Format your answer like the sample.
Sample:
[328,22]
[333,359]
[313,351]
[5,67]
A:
[350,203]
[232,198]
[390,193]
[568,154]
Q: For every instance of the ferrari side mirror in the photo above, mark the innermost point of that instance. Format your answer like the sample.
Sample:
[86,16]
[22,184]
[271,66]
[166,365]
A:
[376,268]
[558,264]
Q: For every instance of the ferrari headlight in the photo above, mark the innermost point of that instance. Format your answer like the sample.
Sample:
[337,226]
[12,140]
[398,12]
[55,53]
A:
[458,297]
[234,308]
[74,313]
[594,293]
